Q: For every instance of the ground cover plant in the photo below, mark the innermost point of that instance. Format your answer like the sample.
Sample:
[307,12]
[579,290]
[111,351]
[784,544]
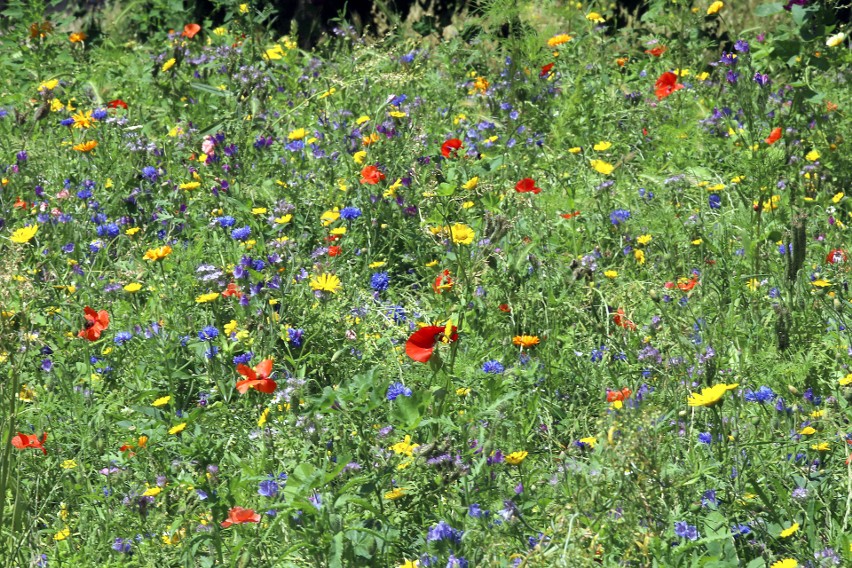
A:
[547,291]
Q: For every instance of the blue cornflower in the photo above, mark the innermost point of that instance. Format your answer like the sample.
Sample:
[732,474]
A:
[99,114]
[475,511]
[212,352]
[268,488]
[243,359]
[619,216]
[241,234]
[110,230]
[226,221]
[84,193]
[379,281]
[715,201]
[67,122]
[740,530]
[761,80]
[443,531]
[705,438]
[150,173]
[122,337]
[728,58]
[350,213]
[456,562]
[295,336]
[741,46]
[208,333]
[396,390]
[122,545]
[709,499]
[687,531]
[493,367]
[761,395]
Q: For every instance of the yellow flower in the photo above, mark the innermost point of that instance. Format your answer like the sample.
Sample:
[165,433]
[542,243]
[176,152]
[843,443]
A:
[284,219]
[525,340]
[431,263]
[710,396]
[63,534]
[208,297]
[297,134]
[329,217]
[230,327]
[595,17]
[168,65]
[338,231]
[789,531]
[261,421]
[397,114]
[325,283]
[462,391]
[86,146]
[715,7]
[601,167]
[703,76]
[471,183]
[516,458]
[132,231]
[682,72]
[601,146]
[362,119]
[152,492]
[409,564]
[785,563]
[68,464]
[821,283]
[83,119]
[846,380]
[644,239]
[697,242]
[405,448]
[396,493]
[639,255]
[27,394]
[276,52]
[611,274]
[244,8]
[821,447]
[559,39]
[461,234]
[835,40]
[753,284]
[162,401]
[807,431]
[837,197]
[591,441]
[24,234]
[359,156]
[575,150]
[49,85]
[133,287]
[377,264]
[177,429]
[190,185]
[812,156]
[156,254]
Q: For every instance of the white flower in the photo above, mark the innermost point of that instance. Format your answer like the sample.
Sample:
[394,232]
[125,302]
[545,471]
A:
[835,40]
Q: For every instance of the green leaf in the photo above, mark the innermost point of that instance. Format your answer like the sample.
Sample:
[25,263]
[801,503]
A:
[769,9]
[210,90]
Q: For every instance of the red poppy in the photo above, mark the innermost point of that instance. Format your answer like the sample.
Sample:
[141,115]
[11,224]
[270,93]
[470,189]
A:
[774,136]
[505,308]
[96,322]
[442,282]
[23,441]
[570,215]
[257,378]
[666,85]
[688,285]
[657,51]
[189,30]
[371,175]
[613,395]
[232,290]
[621,321]
[334,250]
[836,256]
[332,238]
[545,70]
[451,147]
[20,204]
[527,185]
[117,103]
[422,342]
[239,516]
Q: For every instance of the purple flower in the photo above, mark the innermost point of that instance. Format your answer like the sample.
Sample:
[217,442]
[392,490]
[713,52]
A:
[684,530]
[492,367]
[396,390]
[267,488]
[741,46]
[761,80]
[442,531]
[241,234]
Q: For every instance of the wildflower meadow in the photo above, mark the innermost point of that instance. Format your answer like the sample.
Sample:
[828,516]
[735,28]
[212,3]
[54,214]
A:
[556,285]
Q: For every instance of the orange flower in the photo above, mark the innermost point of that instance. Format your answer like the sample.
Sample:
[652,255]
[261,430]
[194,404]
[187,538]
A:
[774,136]
[232,290]
[443,282]
[77,37]
[257,378]
[621,321]
[525,340]
[623,394]
[666,85]
[23,441]
[657,51]
[86,146]
[96,322]
[189,30]
[687,285]
[239,516]
[371,175]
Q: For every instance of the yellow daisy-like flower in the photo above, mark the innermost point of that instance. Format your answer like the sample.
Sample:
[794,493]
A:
[559,39]
[359,156]
[715,7]
[790,531]
[785,563]
[24,234]
[835,40]
[821,447]
[847,380]
[644,239]
[409,564]
[812,156]
[152,492]
[710,396]
[471,183]
[807,431]
[208,297]
[162,401]
[461,234]
[516,458]
[395,493]
[133,287]
[132,231]
[639,255]
[601,167]
[405,447]
[68,464]
[575,150]
[325,283]
[230,327]
[595,17]
[283,220]
[177,429]
[362,119]
[49,85]
[190,185]
[378,264]
[603,145]
[168,65]
[275,53]
[264,416]
[83,119]
[525,340]
[338,231]
[329,217]
[244,8]
[297,134]
[159,253]
[821,283]
[462,392]
[63,534]
[86,146]
[591,441]
[611,274]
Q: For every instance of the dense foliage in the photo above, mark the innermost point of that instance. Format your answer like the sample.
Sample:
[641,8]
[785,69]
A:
[544,292]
